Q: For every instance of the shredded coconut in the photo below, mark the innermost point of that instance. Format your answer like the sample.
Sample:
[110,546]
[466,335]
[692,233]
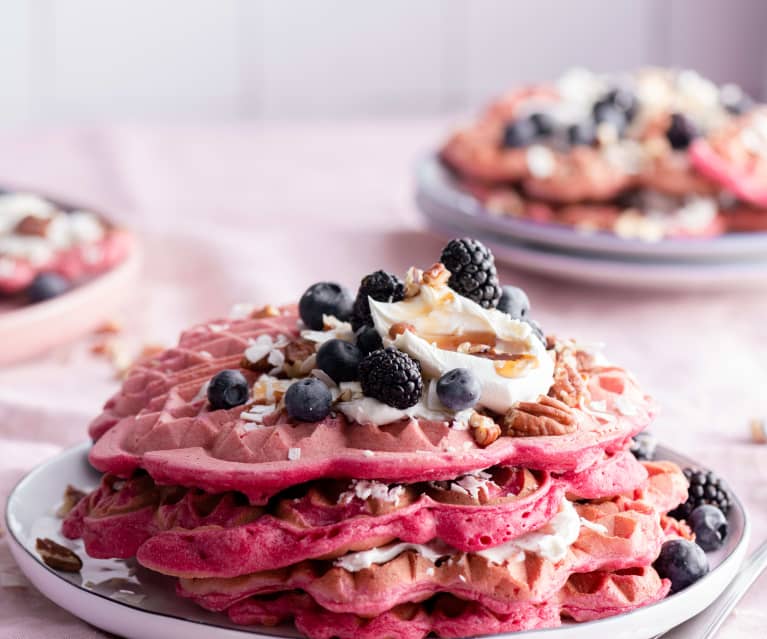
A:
[364,489]
[294,454]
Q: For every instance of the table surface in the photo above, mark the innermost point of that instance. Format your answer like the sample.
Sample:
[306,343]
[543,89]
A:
[257,212]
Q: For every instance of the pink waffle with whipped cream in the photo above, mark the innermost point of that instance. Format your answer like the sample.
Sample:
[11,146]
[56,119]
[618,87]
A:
[464,475]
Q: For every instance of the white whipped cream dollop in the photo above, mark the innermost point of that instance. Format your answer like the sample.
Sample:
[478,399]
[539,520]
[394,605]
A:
[551,542]
[441,321]
[356,561]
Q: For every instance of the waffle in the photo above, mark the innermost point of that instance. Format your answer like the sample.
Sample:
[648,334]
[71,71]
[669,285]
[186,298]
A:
[38,237]
[623,534]
[160,422]
[584,185]
[179,532]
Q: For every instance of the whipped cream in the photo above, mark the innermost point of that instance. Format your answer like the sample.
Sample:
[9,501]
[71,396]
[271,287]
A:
[443,321]
[550,542]
[356,561]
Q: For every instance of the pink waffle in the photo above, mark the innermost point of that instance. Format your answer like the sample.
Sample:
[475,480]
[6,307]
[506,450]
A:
[188,533]
[159,421]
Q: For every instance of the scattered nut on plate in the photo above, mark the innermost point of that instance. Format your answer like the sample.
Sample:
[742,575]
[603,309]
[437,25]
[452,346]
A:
[57,556]
[759,431]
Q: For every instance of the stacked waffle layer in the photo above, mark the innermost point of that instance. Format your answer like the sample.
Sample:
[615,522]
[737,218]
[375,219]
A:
[652,154]
[360,529]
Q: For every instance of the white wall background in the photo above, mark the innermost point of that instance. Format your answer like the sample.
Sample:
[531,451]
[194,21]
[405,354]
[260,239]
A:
[76,60]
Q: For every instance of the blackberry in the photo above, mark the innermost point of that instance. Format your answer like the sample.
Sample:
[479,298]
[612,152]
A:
[705,488]
[392,377]
[643,446]
[368,339]
[472,271]
[382,287]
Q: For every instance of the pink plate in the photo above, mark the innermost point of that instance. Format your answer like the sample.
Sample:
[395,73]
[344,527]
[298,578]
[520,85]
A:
[30,330]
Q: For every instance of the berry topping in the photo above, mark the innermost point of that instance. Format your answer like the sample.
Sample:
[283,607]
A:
[308,400]
[324,298]
[582,133]
[472,271]
[681,132]
[705,488]
[519,133]
[643,446]
[544,123]
[339,359]
[609,113]
[537,330]
[382,287]
[735,100]
[514,302]
[228,389]
[46,286]
[392,377]
[710,527]
[459,389]
[368,339]
[682,562]
[624,99]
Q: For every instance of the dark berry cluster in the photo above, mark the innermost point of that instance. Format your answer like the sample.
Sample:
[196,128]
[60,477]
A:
[382,287]
[472,271]
[392,377]
[705,488]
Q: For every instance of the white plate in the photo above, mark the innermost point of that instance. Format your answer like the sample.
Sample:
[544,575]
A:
[615,271]
[122,598]
[439,196]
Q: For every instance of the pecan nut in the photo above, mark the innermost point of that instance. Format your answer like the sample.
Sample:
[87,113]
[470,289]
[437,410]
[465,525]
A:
[299,357]
[547,416]
[484,429]
[72,497]
[31,225]
[437,276]
[569,385]
[57,556]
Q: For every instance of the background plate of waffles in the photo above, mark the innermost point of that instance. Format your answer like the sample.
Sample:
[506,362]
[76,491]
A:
[62,266]
[653,166]
[122,597]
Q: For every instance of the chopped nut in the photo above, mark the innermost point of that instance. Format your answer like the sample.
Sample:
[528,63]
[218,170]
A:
[399,328]
[484,429]
[299,357]
[547,416]
[569,385]
[110,327]
[758,431]
[72,497]
[31,225]
[413,279]
[437,276]
[266,311]
[57,556]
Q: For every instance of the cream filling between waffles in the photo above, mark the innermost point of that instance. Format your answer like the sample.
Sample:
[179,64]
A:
[446,331]
[551,542]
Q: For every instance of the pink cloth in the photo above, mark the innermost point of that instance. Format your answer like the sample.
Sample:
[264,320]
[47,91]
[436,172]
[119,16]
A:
[258,212]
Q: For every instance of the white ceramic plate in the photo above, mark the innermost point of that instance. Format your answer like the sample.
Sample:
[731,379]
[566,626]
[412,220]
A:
[614,270]
[122,598]
[441,199]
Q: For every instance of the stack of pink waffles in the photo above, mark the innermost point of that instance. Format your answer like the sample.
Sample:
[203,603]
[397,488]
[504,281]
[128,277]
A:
[455,523]
[653,154]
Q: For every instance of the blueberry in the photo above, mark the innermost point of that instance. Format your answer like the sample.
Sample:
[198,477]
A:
[46,286]
[514,302]
[544,123]
[625,100]
[681,561]
[339,359]
[609,113]
[325,298]
[228,389]
[519,133]
[643,446]
[735,100]
[368,339]
[582,133]
[710,527]
[459,389]
[308,400]
[681,132]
